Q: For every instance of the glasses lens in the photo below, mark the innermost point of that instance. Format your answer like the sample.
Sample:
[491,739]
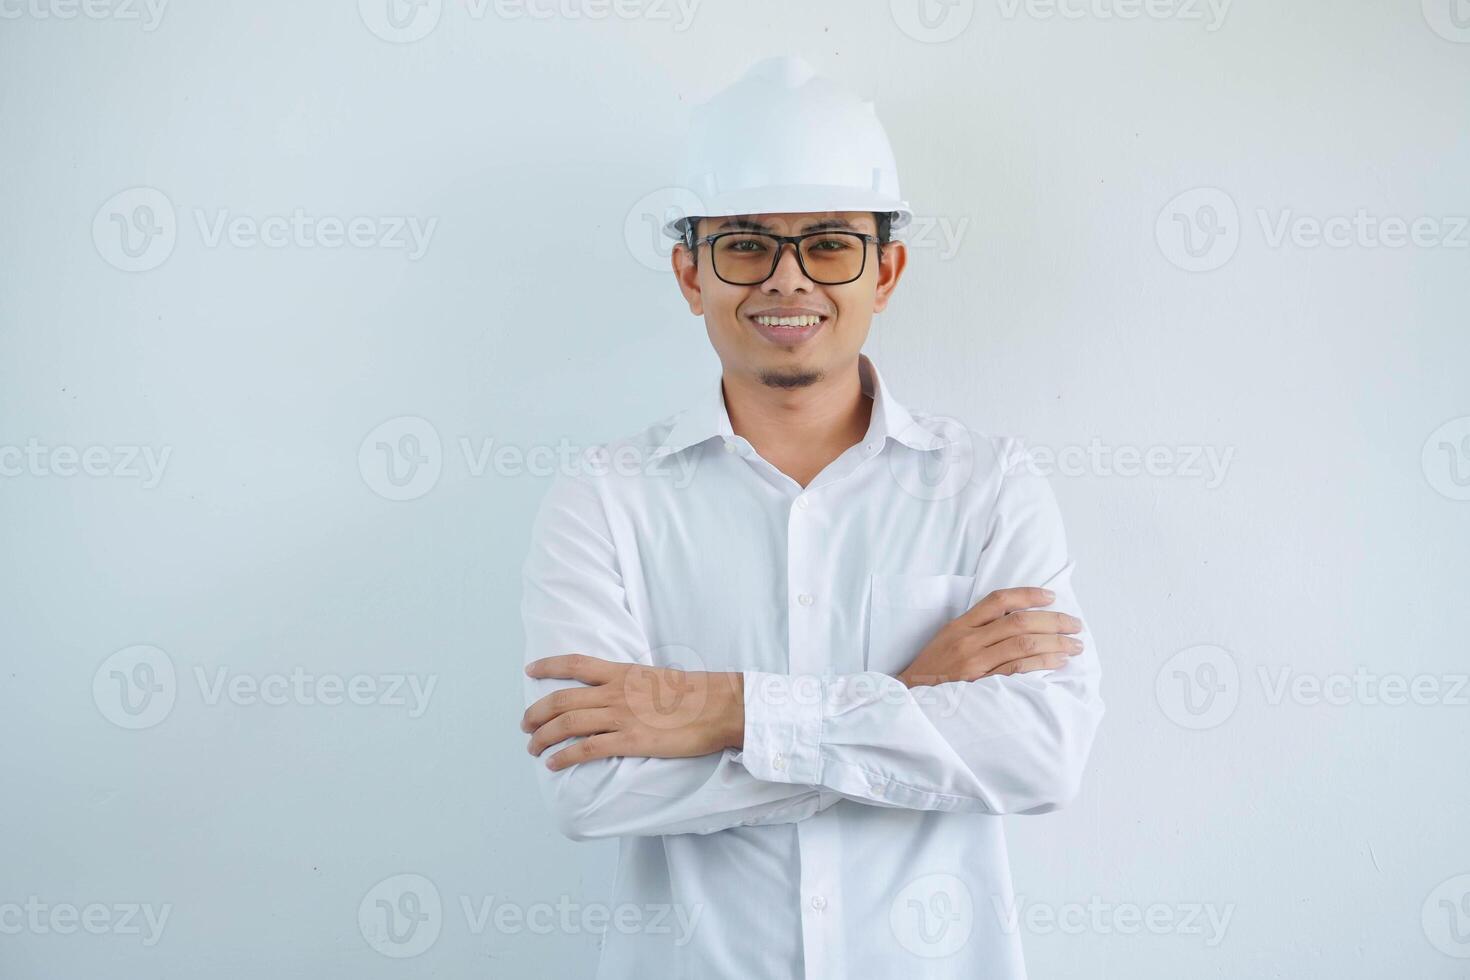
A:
[746,259]
[836,257]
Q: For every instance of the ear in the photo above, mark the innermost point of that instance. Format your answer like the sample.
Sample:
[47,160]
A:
[686,273]
[890,269]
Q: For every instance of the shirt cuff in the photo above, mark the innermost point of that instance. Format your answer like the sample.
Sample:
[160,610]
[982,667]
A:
[783,727]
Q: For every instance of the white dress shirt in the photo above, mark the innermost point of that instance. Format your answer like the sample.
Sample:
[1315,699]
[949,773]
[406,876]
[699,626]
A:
[858,832]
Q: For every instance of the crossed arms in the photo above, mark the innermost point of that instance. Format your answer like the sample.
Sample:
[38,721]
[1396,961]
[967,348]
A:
[995,715]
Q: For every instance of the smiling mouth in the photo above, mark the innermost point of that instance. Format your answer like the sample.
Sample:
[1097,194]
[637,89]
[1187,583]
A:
[789,322]
[787,332]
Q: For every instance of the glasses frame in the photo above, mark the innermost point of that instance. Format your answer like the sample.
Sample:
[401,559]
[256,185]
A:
[795,242]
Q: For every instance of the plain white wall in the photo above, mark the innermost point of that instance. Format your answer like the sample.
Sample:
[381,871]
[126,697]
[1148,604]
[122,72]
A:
[1063,291]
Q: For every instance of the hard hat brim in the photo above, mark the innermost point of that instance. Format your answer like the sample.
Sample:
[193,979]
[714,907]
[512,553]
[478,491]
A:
[791,199]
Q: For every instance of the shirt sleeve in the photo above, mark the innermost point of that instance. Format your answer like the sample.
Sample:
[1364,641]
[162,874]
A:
[1000,744]
[573,602]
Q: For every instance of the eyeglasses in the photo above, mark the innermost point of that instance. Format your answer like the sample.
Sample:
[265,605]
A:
[831,258]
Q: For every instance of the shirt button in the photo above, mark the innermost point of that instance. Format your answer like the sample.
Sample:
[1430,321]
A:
[803,503]
[818,902]
[805,599]
[778,761]
[729,446]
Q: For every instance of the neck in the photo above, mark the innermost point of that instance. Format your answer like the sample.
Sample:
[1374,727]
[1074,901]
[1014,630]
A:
[799,430]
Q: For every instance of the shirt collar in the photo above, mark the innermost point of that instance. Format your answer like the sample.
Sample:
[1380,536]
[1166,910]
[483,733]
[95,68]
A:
[708,418]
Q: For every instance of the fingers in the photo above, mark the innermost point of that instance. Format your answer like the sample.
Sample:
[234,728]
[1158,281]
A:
[1028,646]
[559,703]
[575,667]
[592,747]
[584,721]
[1028,621]
[1046,661]
[1003,601]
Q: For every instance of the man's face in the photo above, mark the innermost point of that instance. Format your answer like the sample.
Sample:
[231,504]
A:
[739,318]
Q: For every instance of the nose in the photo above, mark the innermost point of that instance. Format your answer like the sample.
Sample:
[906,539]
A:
[788,277]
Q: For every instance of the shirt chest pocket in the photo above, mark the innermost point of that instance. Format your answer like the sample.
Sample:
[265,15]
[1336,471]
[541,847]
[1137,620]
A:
[904,613]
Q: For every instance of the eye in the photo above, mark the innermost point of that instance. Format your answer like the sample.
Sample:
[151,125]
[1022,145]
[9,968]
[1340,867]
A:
[830,245]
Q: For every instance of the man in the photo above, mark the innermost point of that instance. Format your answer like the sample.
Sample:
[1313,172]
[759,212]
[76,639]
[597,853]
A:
[803,685]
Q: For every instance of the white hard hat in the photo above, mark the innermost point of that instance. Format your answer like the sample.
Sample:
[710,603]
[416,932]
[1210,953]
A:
[783,139]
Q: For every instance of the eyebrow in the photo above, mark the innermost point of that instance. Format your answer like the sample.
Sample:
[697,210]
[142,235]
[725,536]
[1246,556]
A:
[746,224]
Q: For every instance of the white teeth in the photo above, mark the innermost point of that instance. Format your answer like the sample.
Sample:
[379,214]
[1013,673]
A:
[788,321]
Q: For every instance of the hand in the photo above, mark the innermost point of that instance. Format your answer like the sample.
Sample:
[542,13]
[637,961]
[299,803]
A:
[996,637]
[633,710]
